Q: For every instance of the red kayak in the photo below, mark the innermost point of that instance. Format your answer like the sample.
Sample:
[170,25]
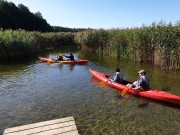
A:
[64,61]
[152,94]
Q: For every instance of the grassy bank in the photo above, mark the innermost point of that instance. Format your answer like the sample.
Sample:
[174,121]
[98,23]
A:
[20,43]
[157,43]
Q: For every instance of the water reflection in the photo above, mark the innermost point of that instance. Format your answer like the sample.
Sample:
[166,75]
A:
[35,92]
[60,65]
[117,94]
[143,104]
[71,66]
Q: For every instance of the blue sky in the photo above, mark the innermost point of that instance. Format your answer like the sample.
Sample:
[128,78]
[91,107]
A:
[104,14]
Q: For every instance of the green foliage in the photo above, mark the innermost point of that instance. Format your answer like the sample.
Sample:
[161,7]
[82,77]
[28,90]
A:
[157,43]
[21,43]
[93,39]
[56,39]
[13,17]
[66,29]
[17,44]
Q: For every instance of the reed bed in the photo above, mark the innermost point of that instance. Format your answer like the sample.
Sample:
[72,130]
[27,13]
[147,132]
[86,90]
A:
[14,44]
[158,43]
[56,39]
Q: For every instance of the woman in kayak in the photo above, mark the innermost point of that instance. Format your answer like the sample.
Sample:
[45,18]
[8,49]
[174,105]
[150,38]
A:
[70,56]
[142,83]
[118,77]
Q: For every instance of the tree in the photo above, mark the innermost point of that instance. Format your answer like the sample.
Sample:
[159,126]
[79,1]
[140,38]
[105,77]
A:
[38,14]
[24,8]
[13,17]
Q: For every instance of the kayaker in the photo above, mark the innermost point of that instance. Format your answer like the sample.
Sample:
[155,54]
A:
[118,77]
[70,56]
[142,83]
[60,57]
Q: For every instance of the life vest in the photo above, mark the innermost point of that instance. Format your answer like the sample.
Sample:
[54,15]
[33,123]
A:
[145,82]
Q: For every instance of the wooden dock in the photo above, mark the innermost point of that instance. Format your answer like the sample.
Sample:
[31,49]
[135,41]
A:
[63,126]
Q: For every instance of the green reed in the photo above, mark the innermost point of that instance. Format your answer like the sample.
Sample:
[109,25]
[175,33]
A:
[157,43]
[22,43]
[56,39]
[16,44]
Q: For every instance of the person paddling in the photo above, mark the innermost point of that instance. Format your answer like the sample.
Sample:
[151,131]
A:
[118,77]
[60,57]
[70,56]
[142,83]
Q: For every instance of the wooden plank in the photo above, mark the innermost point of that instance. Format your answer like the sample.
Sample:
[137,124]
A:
[63,126]
[57,131]
[40,124]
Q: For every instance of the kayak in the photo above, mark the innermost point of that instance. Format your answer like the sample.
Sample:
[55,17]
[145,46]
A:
[64,61]
[151,94]
[45,59]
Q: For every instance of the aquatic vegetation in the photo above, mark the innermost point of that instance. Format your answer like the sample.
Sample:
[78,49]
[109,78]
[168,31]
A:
[158,43]
[20,43]
[17,43]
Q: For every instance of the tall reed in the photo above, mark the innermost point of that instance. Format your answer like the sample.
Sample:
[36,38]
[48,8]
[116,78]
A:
[158,43]
[21,43]
[56,39]
[17,43]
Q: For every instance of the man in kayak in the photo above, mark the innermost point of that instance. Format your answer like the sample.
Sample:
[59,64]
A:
[118,77]
[70,56]
[142,83]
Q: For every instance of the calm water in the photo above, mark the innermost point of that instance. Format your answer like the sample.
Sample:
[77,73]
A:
[32,92]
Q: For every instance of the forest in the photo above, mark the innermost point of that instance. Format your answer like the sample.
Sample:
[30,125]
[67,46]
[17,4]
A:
[20,17]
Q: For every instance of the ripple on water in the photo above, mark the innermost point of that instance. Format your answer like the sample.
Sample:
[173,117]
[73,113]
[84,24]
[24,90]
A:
[39,92]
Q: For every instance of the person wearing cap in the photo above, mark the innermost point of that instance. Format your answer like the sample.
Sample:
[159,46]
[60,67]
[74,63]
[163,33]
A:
[70,56]
[60,57]
[142,83]
[118,77]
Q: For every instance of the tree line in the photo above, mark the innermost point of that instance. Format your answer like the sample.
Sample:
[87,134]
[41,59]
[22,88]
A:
[19,17]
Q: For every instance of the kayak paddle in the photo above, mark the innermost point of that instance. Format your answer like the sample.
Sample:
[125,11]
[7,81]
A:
[124,92]
[103,83]
[50,61]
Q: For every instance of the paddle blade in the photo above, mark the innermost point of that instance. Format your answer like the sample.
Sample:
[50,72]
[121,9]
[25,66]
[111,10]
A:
[124,92]
[102,84]
[49,61]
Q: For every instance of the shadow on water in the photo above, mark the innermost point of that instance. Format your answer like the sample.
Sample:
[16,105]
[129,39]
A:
[159,102]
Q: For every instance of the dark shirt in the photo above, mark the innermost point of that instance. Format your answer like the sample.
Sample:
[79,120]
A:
[60,58]
[71,57]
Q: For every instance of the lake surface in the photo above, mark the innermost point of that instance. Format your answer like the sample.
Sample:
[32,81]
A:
[32,92]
